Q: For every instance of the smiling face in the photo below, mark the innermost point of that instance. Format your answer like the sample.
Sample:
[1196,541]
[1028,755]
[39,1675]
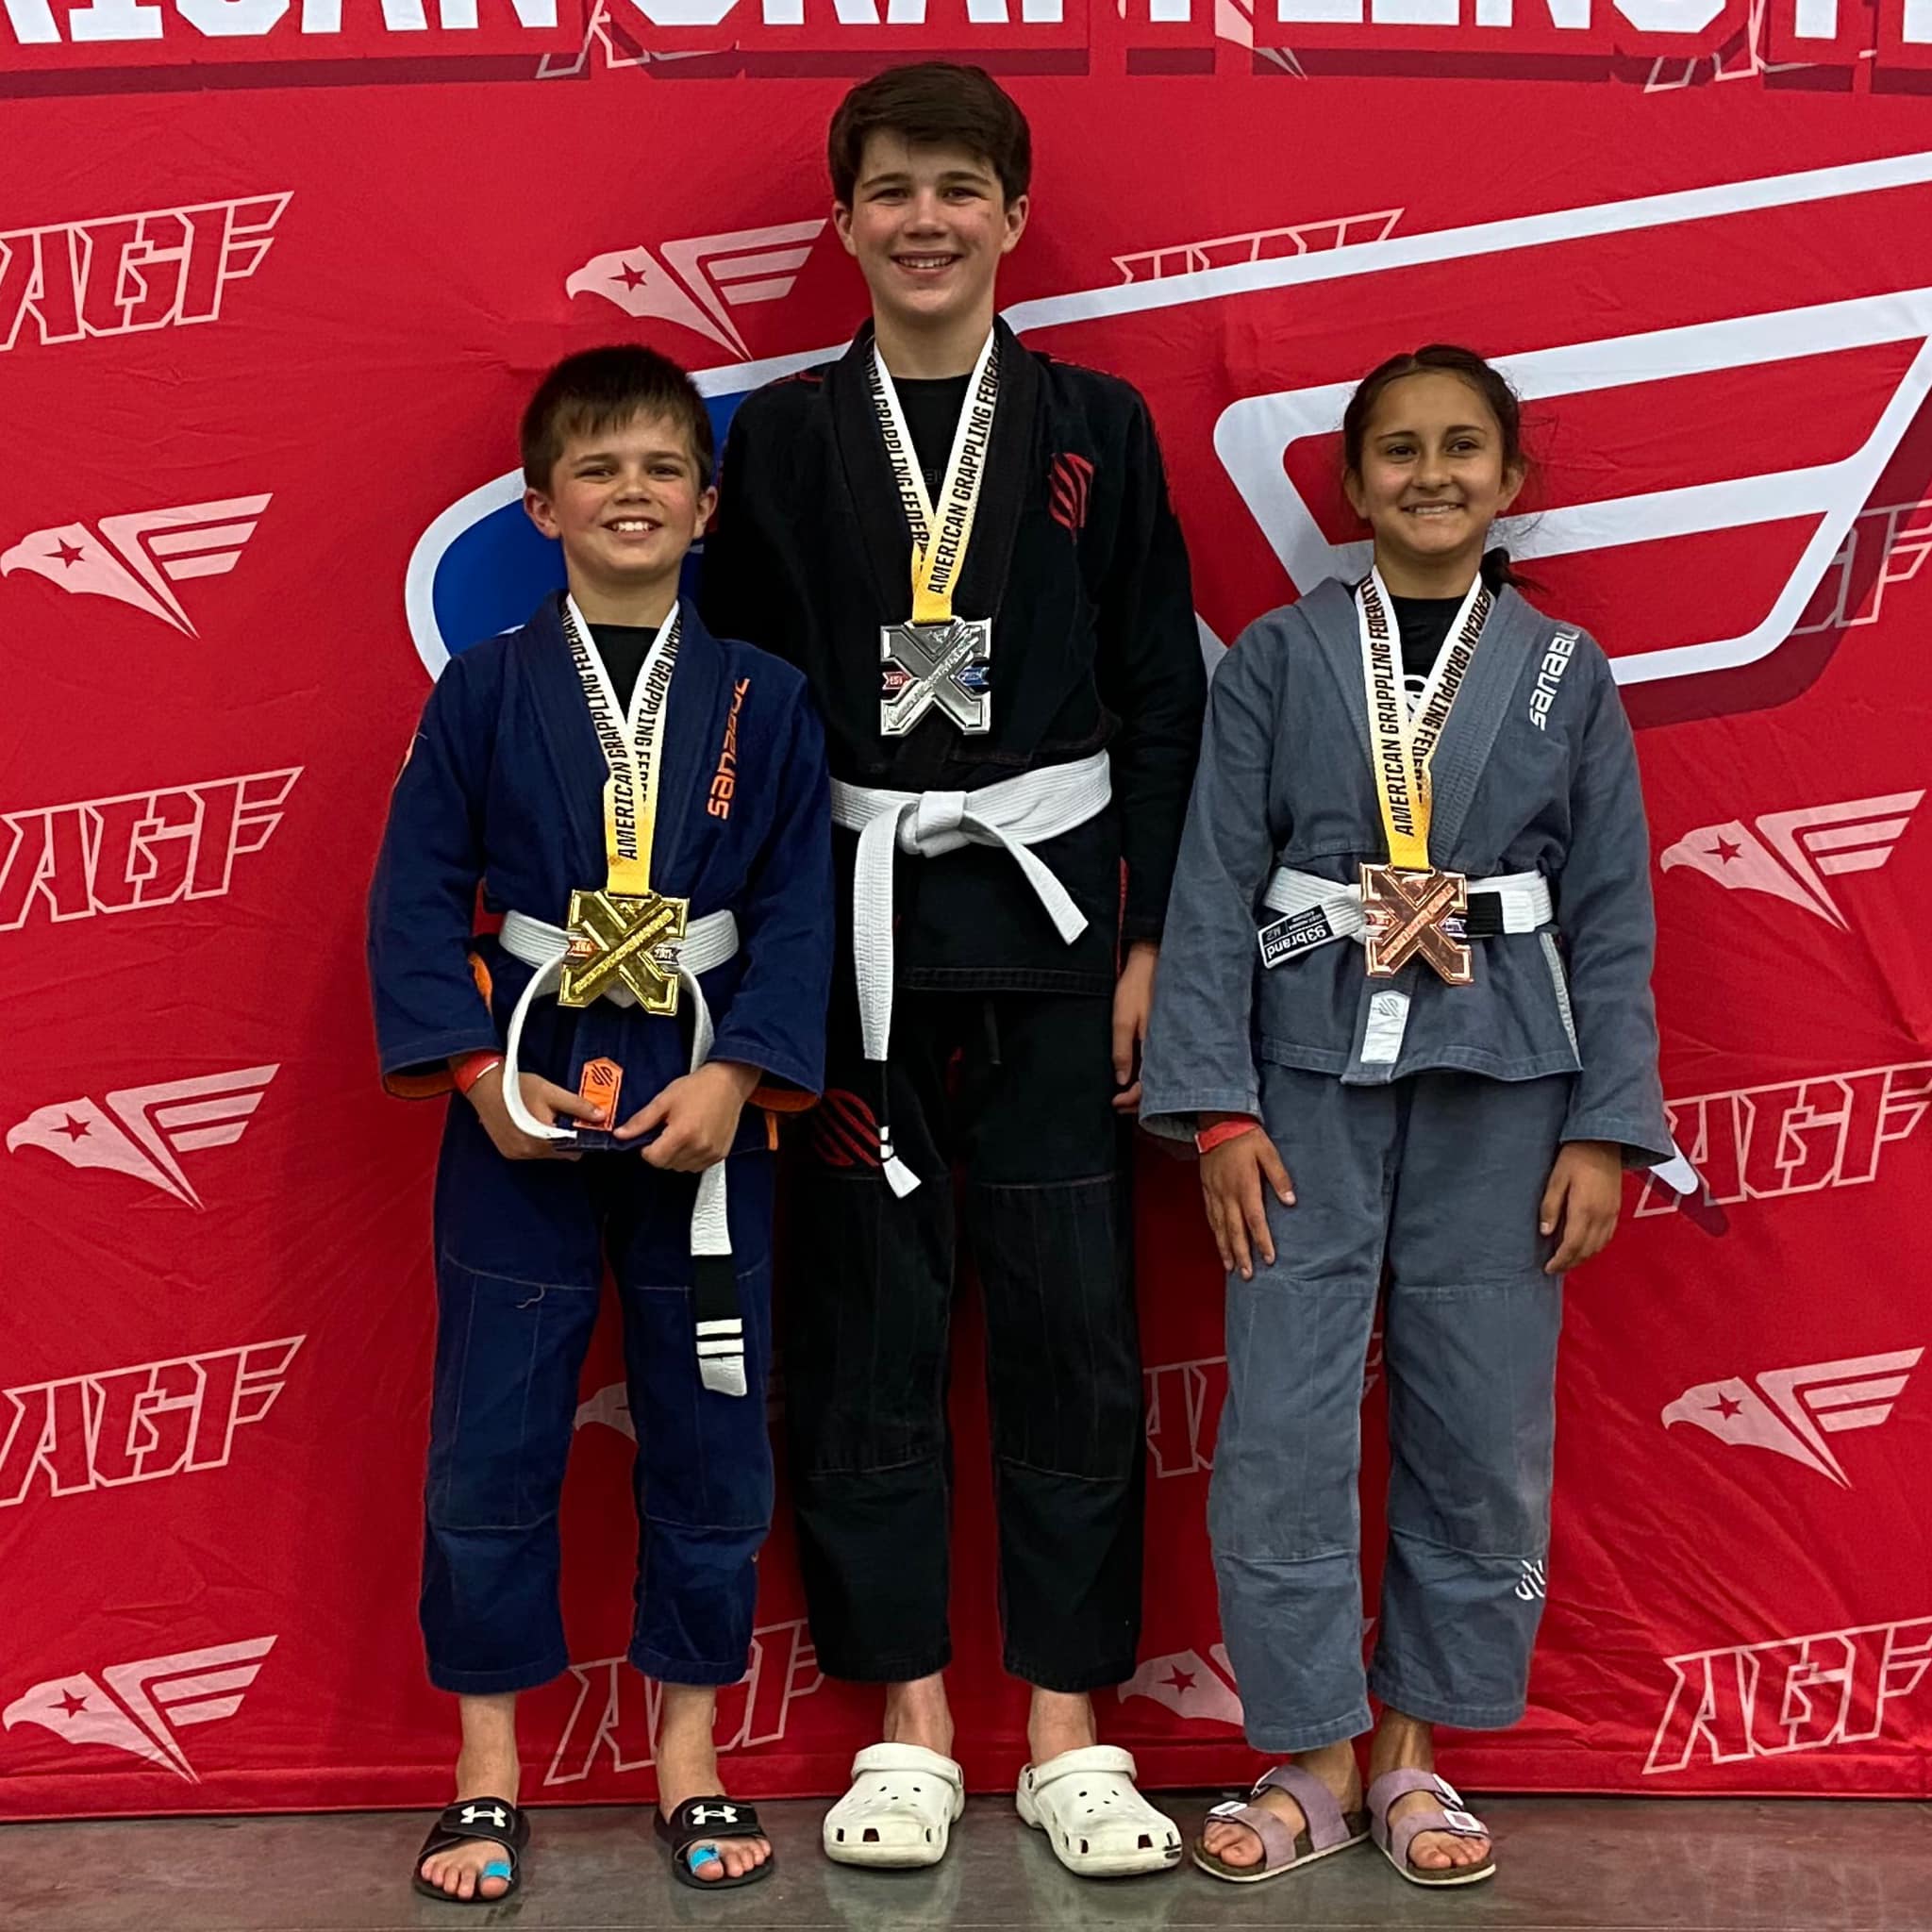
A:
[1434,475]
[626,503]
[927,225]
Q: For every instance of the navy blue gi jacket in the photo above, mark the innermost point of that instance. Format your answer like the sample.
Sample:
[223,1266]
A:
[502,788]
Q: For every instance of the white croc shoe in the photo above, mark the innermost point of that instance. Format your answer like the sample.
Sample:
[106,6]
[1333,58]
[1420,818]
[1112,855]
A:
[900,1809]
[1098,1824]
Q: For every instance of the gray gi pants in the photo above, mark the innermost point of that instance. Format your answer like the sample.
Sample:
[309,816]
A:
[1443,1173]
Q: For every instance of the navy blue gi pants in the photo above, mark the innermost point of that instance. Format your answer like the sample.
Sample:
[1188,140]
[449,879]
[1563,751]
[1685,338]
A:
[520,1249]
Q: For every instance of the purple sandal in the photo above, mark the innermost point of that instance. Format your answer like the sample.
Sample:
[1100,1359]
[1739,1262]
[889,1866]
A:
[1328,1827]
[1449,1816]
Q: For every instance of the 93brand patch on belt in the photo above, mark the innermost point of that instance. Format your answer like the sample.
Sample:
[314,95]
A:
[1296,934]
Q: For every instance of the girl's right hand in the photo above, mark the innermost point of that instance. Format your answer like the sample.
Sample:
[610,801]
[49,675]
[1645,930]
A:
[544,1100]
[1232,1176]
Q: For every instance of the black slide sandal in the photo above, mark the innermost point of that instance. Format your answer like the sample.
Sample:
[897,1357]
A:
[495,1820]
[710,1821]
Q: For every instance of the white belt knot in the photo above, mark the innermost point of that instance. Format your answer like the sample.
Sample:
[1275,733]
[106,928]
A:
[938,823]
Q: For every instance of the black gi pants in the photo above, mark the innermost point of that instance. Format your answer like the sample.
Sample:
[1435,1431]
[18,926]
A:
[1028,1113]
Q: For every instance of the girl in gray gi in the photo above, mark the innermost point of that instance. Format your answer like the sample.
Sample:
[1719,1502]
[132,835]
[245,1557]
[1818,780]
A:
[1404,1009]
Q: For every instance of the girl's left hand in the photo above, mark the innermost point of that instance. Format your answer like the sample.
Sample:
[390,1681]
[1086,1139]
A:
[1585,1191]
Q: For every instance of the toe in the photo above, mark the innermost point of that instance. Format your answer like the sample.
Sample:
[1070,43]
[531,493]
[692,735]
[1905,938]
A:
[1232,1844]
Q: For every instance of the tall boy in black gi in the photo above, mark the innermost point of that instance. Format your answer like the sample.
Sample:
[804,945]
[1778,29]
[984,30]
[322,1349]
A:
[968,549]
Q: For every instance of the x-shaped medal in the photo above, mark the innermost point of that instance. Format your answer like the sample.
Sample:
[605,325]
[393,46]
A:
[943,664]
[1406,913]
[616,936]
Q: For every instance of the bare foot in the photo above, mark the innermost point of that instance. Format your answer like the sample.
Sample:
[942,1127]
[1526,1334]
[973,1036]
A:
[487,1768]
[688,1768]
[917,1713]
[1060,1721]
[1236,1844]
[1407,1743]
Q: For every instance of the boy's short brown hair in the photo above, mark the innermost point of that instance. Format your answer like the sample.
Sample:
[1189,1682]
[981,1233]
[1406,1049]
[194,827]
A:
[929,104]
[598,389]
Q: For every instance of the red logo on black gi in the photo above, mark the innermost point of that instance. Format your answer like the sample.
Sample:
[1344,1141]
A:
[1073,478]
[844,1131]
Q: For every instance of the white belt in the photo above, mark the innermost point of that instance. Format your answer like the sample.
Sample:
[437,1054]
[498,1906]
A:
[1317,910]
[1014,813]
[707,943]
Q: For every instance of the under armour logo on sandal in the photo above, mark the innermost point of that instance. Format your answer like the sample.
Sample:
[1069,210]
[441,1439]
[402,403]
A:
[494,1812]
[714,1814]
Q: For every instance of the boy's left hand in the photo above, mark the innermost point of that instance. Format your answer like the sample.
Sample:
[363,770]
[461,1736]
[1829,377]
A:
[1585,1191]
[699,1115]
[1133,999]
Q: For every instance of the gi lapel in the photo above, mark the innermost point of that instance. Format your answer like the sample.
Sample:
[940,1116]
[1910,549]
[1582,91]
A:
[569,738]
[1482,704]
[1009,473]
[1329,609]
[884,540]
[693,732]
[577,759]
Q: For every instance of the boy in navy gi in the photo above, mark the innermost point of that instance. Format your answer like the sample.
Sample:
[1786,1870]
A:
[645,804]
[969,550]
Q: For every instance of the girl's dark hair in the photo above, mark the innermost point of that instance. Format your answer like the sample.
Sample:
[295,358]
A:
[932,104]
[1445,359]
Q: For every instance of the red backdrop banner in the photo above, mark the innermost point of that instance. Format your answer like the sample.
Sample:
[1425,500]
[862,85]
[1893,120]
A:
[275,281]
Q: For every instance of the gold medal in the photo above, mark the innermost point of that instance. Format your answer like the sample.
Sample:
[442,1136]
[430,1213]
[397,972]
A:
[633,941]
[625,932]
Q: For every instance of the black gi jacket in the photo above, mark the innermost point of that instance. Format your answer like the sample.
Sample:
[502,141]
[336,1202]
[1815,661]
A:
[1076,559]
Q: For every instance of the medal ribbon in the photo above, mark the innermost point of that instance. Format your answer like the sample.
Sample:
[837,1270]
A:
[940,538]
[630,747]
[1404,745]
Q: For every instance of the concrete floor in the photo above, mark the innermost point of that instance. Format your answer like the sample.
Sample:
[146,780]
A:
[1568,1865]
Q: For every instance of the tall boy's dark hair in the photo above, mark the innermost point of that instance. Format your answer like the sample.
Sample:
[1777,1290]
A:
[928,104]
[602,389]
[1447,359]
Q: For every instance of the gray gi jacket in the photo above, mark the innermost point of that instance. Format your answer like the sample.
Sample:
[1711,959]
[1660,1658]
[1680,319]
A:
[1535,771]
